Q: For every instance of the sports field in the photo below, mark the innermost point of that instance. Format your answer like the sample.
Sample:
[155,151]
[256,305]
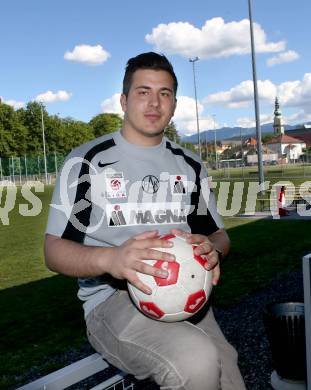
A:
[41,317]
[280,171]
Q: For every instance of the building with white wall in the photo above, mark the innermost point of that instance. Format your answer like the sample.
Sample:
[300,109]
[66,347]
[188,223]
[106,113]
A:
[287,147]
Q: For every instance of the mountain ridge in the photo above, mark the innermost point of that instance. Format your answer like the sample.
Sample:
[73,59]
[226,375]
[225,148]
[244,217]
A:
[225,133]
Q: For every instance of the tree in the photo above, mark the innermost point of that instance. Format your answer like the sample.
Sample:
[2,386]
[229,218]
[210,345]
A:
[56,134]
[13,135]
[21,131]
[267,137]
[105,123]
[171,133]
[188,145]
[76,133]
[31,119]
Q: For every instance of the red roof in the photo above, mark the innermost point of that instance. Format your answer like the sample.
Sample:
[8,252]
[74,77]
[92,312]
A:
[251,141]
[306,138]
[284,139]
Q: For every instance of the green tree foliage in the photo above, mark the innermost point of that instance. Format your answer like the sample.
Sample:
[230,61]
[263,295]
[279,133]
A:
[171,132]
[267,137]
[31,118]
[105,123]
[54,134]
[188,145]
[76,133]
[13,135]
[21,131]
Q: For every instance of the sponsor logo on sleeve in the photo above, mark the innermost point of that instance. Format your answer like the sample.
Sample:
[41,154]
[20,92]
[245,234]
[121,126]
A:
[178,184]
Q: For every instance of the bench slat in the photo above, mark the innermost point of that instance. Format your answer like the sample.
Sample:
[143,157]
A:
[69,375]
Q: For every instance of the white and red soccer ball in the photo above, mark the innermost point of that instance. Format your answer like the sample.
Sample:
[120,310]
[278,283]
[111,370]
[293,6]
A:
[183,292]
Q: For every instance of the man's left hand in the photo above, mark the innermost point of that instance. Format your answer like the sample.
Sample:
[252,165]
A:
[204,247]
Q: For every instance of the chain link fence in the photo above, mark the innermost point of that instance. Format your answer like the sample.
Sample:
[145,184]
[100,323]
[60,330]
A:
[237,169]
[24,169]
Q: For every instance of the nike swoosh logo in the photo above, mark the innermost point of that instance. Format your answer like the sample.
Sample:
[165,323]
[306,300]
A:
[102,165]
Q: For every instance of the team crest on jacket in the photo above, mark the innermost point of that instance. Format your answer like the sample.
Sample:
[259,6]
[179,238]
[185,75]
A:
[115,185]
[150,184]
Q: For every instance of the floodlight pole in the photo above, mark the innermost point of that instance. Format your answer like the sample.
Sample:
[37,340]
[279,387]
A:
[26,173]
[193,60]
[43,141]
[258,129]
[215,142]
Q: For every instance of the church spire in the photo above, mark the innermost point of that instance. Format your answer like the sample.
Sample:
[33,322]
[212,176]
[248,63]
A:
[277,122]
[277,110]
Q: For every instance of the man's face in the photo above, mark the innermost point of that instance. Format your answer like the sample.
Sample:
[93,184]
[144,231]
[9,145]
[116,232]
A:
[149,106]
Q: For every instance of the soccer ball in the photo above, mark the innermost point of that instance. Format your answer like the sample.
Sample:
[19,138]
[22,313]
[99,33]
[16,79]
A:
[183,292]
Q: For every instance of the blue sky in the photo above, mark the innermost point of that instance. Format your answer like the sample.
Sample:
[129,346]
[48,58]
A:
[71,55]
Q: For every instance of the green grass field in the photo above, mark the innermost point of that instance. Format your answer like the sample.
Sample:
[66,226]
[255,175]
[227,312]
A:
[291,171]
[42,318]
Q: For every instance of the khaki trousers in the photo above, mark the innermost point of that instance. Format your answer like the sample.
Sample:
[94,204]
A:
[179,355]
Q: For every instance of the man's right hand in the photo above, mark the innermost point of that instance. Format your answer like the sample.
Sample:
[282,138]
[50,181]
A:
[128,258]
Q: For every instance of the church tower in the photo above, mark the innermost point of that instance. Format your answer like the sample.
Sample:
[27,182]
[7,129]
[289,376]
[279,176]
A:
[277,122]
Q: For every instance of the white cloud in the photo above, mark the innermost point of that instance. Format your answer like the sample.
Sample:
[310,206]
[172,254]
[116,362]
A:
[242,95]
[185,109]
[190,127]
[112,105]
[87,54]
[287,56]
[294,94]
[300,117]
[13,103]
[215,39]
[185,116]
[52,97]
[246,122]
[266,118]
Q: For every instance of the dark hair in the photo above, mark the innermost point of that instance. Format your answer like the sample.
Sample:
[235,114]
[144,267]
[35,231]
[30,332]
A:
[149,60]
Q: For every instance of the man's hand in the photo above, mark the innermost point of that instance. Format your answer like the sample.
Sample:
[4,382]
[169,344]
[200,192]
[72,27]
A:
[128,258]
[204,247]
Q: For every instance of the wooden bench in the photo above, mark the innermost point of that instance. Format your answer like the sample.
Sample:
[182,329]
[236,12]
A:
[77,372]
[294,197]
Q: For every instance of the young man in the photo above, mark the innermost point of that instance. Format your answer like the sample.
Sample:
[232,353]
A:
[114,197]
